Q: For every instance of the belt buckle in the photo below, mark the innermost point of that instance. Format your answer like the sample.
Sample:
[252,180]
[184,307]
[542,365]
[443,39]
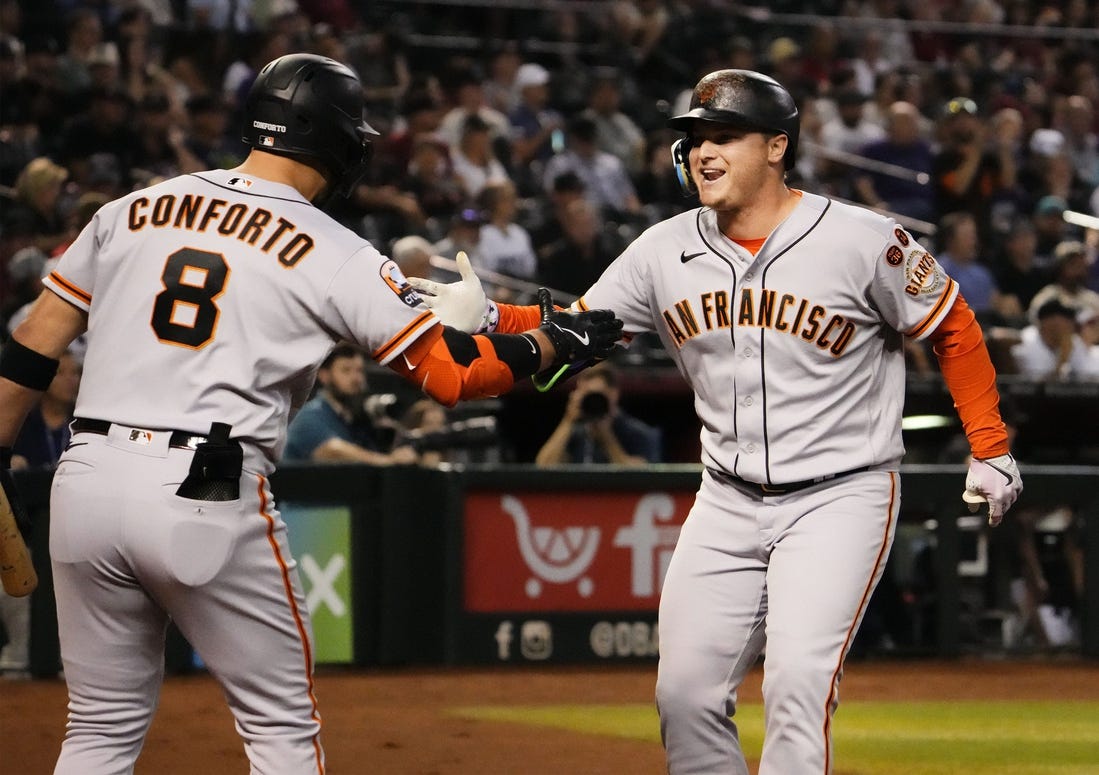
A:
[767,489]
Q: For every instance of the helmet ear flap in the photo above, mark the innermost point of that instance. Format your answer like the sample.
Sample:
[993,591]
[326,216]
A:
[681,150]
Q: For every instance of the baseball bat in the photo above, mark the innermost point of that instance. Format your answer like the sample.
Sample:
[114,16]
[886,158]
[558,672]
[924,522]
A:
[16,570]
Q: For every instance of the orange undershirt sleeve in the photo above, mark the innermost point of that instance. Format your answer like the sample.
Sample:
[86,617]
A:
[515,319]
[967,369]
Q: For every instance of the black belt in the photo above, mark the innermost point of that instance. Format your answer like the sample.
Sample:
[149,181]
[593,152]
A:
[780,489]
[178,439]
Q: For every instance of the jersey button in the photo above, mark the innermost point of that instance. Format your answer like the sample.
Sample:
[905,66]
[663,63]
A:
[750,448]
[747,352]
[749,276]
[748,401]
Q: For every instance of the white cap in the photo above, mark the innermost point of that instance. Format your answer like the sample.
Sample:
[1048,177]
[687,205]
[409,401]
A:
[531,74]
[1047,142]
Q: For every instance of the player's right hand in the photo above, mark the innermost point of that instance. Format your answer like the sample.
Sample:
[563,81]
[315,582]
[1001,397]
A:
[462,304]
[995,481]
[578,337]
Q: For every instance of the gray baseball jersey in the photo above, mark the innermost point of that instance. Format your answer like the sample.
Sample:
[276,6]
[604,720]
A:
[164,307]
[796,354]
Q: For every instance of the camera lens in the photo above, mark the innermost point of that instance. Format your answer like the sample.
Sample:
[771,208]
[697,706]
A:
[594,406]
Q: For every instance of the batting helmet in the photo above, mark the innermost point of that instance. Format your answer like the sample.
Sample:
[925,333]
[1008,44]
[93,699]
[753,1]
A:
[311,106]
[744,98]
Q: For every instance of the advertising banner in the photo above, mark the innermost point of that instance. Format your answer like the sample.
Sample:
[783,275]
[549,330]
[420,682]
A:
[568,551]
[320,540]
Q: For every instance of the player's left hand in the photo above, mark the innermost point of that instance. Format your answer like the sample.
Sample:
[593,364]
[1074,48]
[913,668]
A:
[996,481]
[462,304]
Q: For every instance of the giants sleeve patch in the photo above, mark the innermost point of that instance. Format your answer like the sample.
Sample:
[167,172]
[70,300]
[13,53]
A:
[395,279]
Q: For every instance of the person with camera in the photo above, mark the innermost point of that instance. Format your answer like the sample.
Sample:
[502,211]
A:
[334,427]
[594,429]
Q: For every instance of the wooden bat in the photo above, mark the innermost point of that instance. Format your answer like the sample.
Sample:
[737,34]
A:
[16,570]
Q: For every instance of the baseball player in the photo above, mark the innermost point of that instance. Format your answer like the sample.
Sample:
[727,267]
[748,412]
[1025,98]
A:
[786,313]
[208,302]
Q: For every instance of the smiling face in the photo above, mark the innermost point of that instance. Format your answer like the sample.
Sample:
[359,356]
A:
[730,164]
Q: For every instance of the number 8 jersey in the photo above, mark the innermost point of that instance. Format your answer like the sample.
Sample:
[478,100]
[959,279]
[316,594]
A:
[215,282]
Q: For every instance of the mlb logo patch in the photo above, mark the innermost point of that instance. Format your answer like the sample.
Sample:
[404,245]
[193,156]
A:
[140,436]
[266,140]
[240,182]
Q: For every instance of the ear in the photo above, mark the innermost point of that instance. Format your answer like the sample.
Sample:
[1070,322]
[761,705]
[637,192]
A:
[776,148]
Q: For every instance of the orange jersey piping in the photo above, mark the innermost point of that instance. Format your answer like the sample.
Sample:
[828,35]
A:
[307,650]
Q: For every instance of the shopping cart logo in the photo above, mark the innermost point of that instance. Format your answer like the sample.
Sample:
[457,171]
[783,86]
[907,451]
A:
[553,555]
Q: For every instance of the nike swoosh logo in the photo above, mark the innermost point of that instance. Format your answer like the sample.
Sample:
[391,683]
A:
[584,340]
[1007,476]
[411,366]
[685,256]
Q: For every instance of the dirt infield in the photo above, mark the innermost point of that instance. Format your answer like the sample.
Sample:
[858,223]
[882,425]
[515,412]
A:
[396,722]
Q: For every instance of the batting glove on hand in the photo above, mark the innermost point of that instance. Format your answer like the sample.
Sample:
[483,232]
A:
[578,336]
[995,481]
[462,304]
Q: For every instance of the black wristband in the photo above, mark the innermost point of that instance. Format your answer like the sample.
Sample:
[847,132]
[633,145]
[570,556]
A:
[520,352]
[5,457]
[25,366]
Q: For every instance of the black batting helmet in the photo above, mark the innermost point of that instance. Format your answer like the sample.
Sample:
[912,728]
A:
[745,98]
[311,106]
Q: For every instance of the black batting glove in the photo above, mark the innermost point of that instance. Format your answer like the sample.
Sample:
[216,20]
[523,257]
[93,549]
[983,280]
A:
[16,503]
[578,336]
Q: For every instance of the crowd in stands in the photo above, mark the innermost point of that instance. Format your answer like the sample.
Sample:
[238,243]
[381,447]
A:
[535,138]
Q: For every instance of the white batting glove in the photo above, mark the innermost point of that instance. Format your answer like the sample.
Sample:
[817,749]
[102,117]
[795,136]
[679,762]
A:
[995,481]
[462,304]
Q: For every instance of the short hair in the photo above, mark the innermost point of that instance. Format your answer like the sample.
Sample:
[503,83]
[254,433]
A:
[342,350]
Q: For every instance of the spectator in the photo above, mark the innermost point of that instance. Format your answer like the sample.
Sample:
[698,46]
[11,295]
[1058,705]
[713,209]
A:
[413,255]
[1078,125]
[850,131]
[162,150]
[904,147]
[475,162]
[34,217]
[959,259]
[105,129]
[605,180]
[333,427]
[1070,272]
[501,90]
[505,246]
[574,262]
[1018,273]
[1050,349]
[1049,587]
[420,116]
[380,60]
[431,179]
[549,221]
[1050,227]
[594,429]
[464,235]
[615,132]
[83,32]
[534,125]
[966,176]
[1087,322]
[207,138]
[469,99]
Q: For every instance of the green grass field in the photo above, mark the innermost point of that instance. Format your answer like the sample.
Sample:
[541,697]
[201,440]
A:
[885,738]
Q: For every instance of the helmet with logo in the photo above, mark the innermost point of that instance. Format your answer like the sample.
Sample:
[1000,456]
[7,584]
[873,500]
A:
[304,105]
[744,98]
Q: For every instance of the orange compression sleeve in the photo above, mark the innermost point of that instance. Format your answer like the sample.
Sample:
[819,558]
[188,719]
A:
[967,369]
[515,319]
[450,365]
